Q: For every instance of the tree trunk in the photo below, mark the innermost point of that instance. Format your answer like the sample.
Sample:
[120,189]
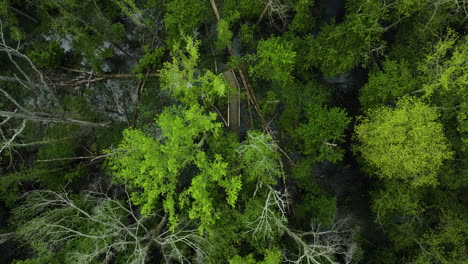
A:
[234,102]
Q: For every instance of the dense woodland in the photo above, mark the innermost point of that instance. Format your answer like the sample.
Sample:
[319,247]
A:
[233,131]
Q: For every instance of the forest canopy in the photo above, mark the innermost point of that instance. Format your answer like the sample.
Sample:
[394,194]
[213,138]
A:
[234,131]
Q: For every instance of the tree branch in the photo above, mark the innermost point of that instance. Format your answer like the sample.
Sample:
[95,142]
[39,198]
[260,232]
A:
[38,118]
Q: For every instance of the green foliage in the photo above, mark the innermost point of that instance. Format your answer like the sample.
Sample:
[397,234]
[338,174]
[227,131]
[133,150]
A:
[130,9]
[182,79]
[446,66]
[323,132]
[233,198]
[56,158]
[274,61]
[446,71]
[78,107]
[8,17]
[46,54]
[385,87]
[118,30]
[152,58]
[271,256]
[159,167]
[269,103]
[296,97]
[259,156]
[303,19]
[396,200]
[76,173]
[10,186]
[246,34]
[315,205]
[406,7]
[340,47]
[212,174]
[234,10]
[447,242]
[264,217]
[89,23]
[404,143]
[224,34]
[183,17]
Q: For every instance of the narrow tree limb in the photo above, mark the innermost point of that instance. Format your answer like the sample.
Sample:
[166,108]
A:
[140,87]
[100,77]
[263,13]
[6,237]
[221,115]
[37,118]
[24,14]
[23,82]
[17,133]
[394,24]
[44,142]
[161,224]
[215,10]
[92,158]
[14,101]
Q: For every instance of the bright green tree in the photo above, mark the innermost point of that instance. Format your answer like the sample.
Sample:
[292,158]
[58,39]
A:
[160,166]
[275,60]
[184,81]
[405,142]
[224,34]
[183,17]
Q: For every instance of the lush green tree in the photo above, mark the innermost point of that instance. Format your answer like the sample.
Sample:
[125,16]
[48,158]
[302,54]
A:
[446,70]
[274,61]
[130,92]
[406,142]
[183,18]
[323,132]
[160,165]
[185,82]
[384,87]
[296,97]
[397,200]
[259,155]
[224,34]
[339,47]
[303,20]
[447,242]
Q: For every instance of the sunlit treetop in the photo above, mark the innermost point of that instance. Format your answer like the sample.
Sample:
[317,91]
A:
[406,142]
[184,81]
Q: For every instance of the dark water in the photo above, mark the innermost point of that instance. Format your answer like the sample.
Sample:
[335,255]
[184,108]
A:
[332,9]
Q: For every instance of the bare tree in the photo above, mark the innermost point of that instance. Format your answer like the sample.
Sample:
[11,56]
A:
[104,226]
[318,247]
[274,8]
[43,96]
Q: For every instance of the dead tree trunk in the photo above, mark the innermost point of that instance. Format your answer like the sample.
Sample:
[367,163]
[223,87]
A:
[234,102]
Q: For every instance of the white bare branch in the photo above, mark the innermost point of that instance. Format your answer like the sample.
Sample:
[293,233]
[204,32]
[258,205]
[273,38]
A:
[272,217]
[109,227]
[319,247]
